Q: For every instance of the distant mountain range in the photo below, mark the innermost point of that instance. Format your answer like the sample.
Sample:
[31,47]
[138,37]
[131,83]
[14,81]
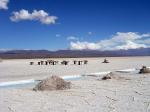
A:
[28,54]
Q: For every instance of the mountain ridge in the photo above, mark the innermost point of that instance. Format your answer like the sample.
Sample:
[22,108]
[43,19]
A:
[28,54]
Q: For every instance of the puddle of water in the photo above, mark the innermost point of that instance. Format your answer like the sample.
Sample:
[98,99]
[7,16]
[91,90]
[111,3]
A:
[32,84]
[136,72]
[28,85]
[67,78]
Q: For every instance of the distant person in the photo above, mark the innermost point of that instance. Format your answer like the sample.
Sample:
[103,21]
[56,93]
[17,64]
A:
[46,63]
[42,62]
[74,62]
[54,62]
[49,62]
[39,63]
[31,63]
[105,61]
[80,62]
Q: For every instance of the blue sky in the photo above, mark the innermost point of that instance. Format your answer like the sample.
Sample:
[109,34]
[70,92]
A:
[80,24]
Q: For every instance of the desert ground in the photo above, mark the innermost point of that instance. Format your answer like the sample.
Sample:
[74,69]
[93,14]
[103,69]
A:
[129,93]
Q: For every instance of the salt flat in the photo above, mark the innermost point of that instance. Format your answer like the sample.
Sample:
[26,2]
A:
[20,69]
[129,94]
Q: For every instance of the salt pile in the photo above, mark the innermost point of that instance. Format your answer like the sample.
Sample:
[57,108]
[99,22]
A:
[112,75]
[144,70]
[53,83]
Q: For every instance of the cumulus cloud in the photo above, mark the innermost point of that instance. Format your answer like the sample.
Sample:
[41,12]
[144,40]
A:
[131,45]
[58,35]
[3,4]
[129,40]
[72,38]
[84,45]
[40,15]
[90,33]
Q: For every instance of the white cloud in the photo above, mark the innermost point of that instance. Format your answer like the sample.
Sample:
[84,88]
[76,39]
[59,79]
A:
[131,45]
[3,4]
[58,35]
[72,38]
[129,40]
[84,45]
[40,15]
[90,33]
